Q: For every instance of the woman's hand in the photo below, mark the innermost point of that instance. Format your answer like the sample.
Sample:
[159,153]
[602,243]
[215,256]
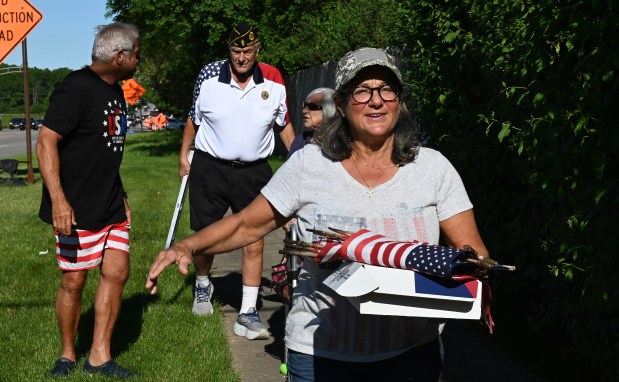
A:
[286,227]
[178,254]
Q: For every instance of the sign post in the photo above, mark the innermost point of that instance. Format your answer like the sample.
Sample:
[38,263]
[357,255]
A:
[30,171]
[17,19]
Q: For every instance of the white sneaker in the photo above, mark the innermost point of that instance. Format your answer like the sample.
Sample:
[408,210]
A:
[202,305]
[248,325]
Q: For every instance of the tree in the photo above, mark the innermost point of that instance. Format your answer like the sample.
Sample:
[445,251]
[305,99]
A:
[42,84]
[178,37]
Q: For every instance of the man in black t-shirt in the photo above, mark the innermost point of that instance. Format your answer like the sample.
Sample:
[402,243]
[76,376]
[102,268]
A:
[80,149]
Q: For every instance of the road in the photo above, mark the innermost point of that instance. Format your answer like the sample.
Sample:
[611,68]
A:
[13,142]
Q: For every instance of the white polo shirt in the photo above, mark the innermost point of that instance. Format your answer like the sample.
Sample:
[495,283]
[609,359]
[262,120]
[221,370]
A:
[235,123]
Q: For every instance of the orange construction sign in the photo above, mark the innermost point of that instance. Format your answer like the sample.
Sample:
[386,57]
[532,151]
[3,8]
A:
[157,122]
[17,18]
[132,89]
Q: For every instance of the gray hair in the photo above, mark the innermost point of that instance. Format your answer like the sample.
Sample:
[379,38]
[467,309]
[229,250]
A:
[328,105]
[112,38]
[336,142]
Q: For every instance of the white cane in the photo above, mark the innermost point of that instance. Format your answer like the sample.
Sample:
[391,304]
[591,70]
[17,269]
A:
[176,217]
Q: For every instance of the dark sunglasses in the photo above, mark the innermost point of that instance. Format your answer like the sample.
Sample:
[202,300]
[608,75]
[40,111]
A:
[137,52]
[312,106]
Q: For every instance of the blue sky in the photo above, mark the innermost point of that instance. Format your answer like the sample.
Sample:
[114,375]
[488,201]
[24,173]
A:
[64,37]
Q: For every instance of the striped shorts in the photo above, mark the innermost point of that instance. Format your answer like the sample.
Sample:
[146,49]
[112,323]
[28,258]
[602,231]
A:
[83,249]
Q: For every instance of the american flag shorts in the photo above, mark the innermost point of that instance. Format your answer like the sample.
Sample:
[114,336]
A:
[83,249]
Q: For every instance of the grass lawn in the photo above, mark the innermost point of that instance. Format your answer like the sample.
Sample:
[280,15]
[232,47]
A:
[157,336]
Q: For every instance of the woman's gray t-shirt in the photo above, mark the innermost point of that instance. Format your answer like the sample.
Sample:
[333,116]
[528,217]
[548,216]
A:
[321,194]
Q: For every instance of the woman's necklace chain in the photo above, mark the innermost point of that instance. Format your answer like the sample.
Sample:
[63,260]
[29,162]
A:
[372,166]
[370,189]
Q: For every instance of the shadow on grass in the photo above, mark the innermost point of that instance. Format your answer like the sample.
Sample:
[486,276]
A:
[12,182]
[188,282]
[128,325]
[24,172]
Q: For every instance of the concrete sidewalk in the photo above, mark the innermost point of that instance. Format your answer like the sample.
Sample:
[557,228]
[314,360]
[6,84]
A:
[467,343]
[255,360]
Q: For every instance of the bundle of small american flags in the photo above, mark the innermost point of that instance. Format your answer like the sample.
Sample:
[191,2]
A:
[371,248]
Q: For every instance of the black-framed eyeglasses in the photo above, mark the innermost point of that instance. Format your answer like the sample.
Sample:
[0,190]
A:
[312,106]
[363,94]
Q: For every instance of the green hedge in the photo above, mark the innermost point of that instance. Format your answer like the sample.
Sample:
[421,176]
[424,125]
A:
[522,97]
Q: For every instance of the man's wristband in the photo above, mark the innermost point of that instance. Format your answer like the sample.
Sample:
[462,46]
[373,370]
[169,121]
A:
[125,195]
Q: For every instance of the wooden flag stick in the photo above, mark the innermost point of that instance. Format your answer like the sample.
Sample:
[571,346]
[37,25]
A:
[332,235]
[302,244]
[296,253]
[341,232]
[488,263]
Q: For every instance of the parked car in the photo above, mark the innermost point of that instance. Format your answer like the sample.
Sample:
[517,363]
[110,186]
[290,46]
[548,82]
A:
[132,120]
[174,124]
[16,123]
[33,123]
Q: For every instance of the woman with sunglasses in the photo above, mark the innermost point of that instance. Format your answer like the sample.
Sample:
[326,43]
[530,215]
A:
[317,108]
[367,170]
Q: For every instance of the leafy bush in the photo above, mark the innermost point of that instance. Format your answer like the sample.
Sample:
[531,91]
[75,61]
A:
[521,96]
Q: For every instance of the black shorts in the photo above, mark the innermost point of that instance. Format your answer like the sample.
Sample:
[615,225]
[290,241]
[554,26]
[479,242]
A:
[216,185]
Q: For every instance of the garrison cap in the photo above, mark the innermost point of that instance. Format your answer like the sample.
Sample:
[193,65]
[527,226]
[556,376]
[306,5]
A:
[242,35]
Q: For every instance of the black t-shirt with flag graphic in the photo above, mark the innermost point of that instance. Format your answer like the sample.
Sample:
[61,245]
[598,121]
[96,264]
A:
[91,116]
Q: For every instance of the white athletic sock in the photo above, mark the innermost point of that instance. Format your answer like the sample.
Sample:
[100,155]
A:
[204,280]
[250,296]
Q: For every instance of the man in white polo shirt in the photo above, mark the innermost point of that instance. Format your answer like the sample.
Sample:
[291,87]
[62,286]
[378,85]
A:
[238,105]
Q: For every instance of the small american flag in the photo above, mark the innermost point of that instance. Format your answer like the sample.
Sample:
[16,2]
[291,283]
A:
[371,248]
[439,270]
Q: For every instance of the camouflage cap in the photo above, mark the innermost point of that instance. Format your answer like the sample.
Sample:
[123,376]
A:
[353,62]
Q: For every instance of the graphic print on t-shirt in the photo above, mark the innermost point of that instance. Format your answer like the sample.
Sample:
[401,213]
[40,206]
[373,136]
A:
[406,224]
[114,126]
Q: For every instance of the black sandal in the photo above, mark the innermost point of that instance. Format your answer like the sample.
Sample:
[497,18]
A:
[62,368]
[110,369]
